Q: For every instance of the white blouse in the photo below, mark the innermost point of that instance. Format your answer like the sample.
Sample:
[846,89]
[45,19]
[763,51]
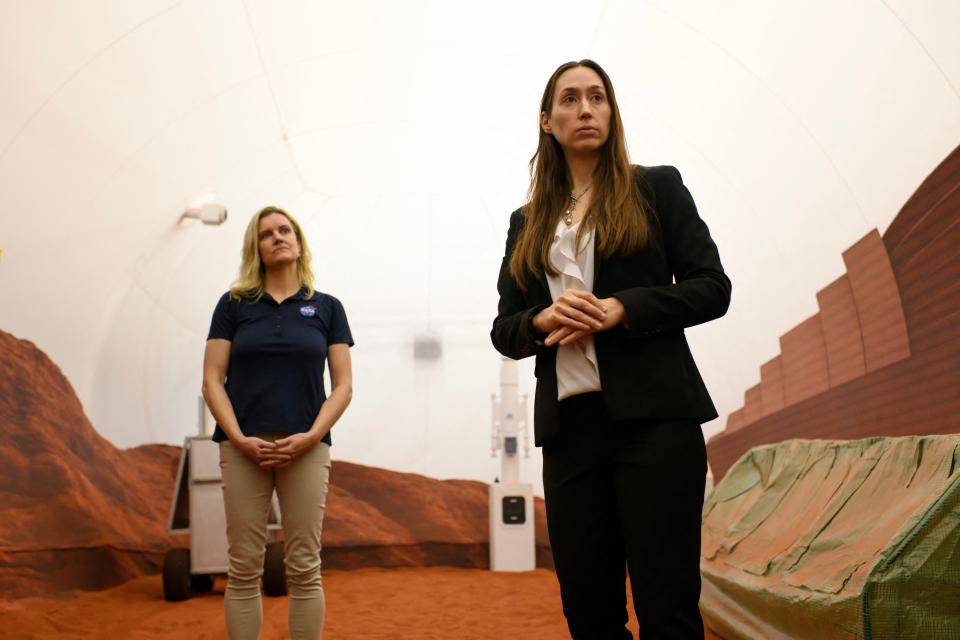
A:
[577,370]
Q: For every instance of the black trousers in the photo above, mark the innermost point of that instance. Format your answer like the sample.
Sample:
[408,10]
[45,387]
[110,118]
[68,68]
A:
[625,496]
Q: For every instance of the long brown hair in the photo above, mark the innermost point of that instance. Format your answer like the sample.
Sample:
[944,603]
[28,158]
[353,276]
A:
[249,284]
[617,209]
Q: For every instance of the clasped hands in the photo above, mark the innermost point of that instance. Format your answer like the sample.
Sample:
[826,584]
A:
[576,314]
[275,454]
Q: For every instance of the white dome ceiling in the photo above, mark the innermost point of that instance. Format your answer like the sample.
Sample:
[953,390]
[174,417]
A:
[398,133]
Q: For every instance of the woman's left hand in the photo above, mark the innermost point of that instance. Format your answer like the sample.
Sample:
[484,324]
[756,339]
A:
[293,446]
[565,335]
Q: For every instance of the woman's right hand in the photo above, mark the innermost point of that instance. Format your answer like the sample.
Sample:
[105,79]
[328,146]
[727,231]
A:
[262,452]
[576,309]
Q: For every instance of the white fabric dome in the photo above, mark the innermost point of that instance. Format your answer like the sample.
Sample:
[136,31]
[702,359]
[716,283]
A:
[398,134]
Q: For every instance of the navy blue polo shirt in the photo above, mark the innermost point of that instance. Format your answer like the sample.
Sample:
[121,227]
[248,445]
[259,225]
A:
[278,352]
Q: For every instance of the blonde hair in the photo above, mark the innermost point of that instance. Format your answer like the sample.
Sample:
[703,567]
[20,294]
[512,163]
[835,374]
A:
[618,209]
[249,284]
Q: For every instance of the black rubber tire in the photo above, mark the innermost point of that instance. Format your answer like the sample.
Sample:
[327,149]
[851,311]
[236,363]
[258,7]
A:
[176,575]
[274,573]
[201,583]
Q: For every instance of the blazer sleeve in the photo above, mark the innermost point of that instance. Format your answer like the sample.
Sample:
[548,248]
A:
[701,289]
[512,333]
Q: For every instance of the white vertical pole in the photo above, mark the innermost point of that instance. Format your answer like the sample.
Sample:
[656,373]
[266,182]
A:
[510,419]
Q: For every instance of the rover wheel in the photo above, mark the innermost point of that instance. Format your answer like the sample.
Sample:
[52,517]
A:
[274,574]
[176,575]
[201,583]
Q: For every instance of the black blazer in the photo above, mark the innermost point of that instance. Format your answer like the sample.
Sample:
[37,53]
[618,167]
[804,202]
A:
[646,368]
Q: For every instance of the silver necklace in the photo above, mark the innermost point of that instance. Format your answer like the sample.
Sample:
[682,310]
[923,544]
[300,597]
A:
[574,198]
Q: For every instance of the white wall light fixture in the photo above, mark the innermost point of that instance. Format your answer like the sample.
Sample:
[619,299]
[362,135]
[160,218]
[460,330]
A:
[207,213]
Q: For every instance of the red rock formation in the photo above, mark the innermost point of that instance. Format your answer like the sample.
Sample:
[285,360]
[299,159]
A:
[882,356]
[381,518]
[78,513]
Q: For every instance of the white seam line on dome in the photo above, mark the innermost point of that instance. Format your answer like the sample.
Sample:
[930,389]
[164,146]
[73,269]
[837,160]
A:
[165,128]
[926,51]
[726,178]
[779,99]
[78,70]
[596,29]
[273,97]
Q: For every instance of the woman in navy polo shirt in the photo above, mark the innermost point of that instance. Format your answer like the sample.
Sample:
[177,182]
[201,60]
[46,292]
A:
[270,337]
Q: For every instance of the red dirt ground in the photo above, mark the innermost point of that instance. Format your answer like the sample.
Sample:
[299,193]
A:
[425,603]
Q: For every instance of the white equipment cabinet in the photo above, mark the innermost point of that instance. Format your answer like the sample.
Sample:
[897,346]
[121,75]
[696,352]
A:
[512,531]
[197,510]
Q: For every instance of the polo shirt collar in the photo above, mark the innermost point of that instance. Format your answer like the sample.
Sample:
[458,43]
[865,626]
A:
[298,296]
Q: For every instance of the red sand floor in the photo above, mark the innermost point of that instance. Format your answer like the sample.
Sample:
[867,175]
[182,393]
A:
[435,603]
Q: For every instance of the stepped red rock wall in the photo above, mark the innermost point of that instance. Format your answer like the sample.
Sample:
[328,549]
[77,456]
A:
[841,332]
[882,356]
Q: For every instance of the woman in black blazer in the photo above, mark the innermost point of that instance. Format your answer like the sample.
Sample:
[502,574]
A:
[604,268]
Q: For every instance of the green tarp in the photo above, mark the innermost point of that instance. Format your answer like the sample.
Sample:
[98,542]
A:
[836,539]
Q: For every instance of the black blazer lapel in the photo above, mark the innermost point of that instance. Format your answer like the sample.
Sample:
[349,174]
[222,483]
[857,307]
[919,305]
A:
[545,286]
[597,260]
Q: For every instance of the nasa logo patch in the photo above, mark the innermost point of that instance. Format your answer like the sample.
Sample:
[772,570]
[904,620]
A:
[308,312]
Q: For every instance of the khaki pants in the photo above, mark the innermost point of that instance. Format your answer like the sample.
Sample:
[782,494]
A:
[247,489]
